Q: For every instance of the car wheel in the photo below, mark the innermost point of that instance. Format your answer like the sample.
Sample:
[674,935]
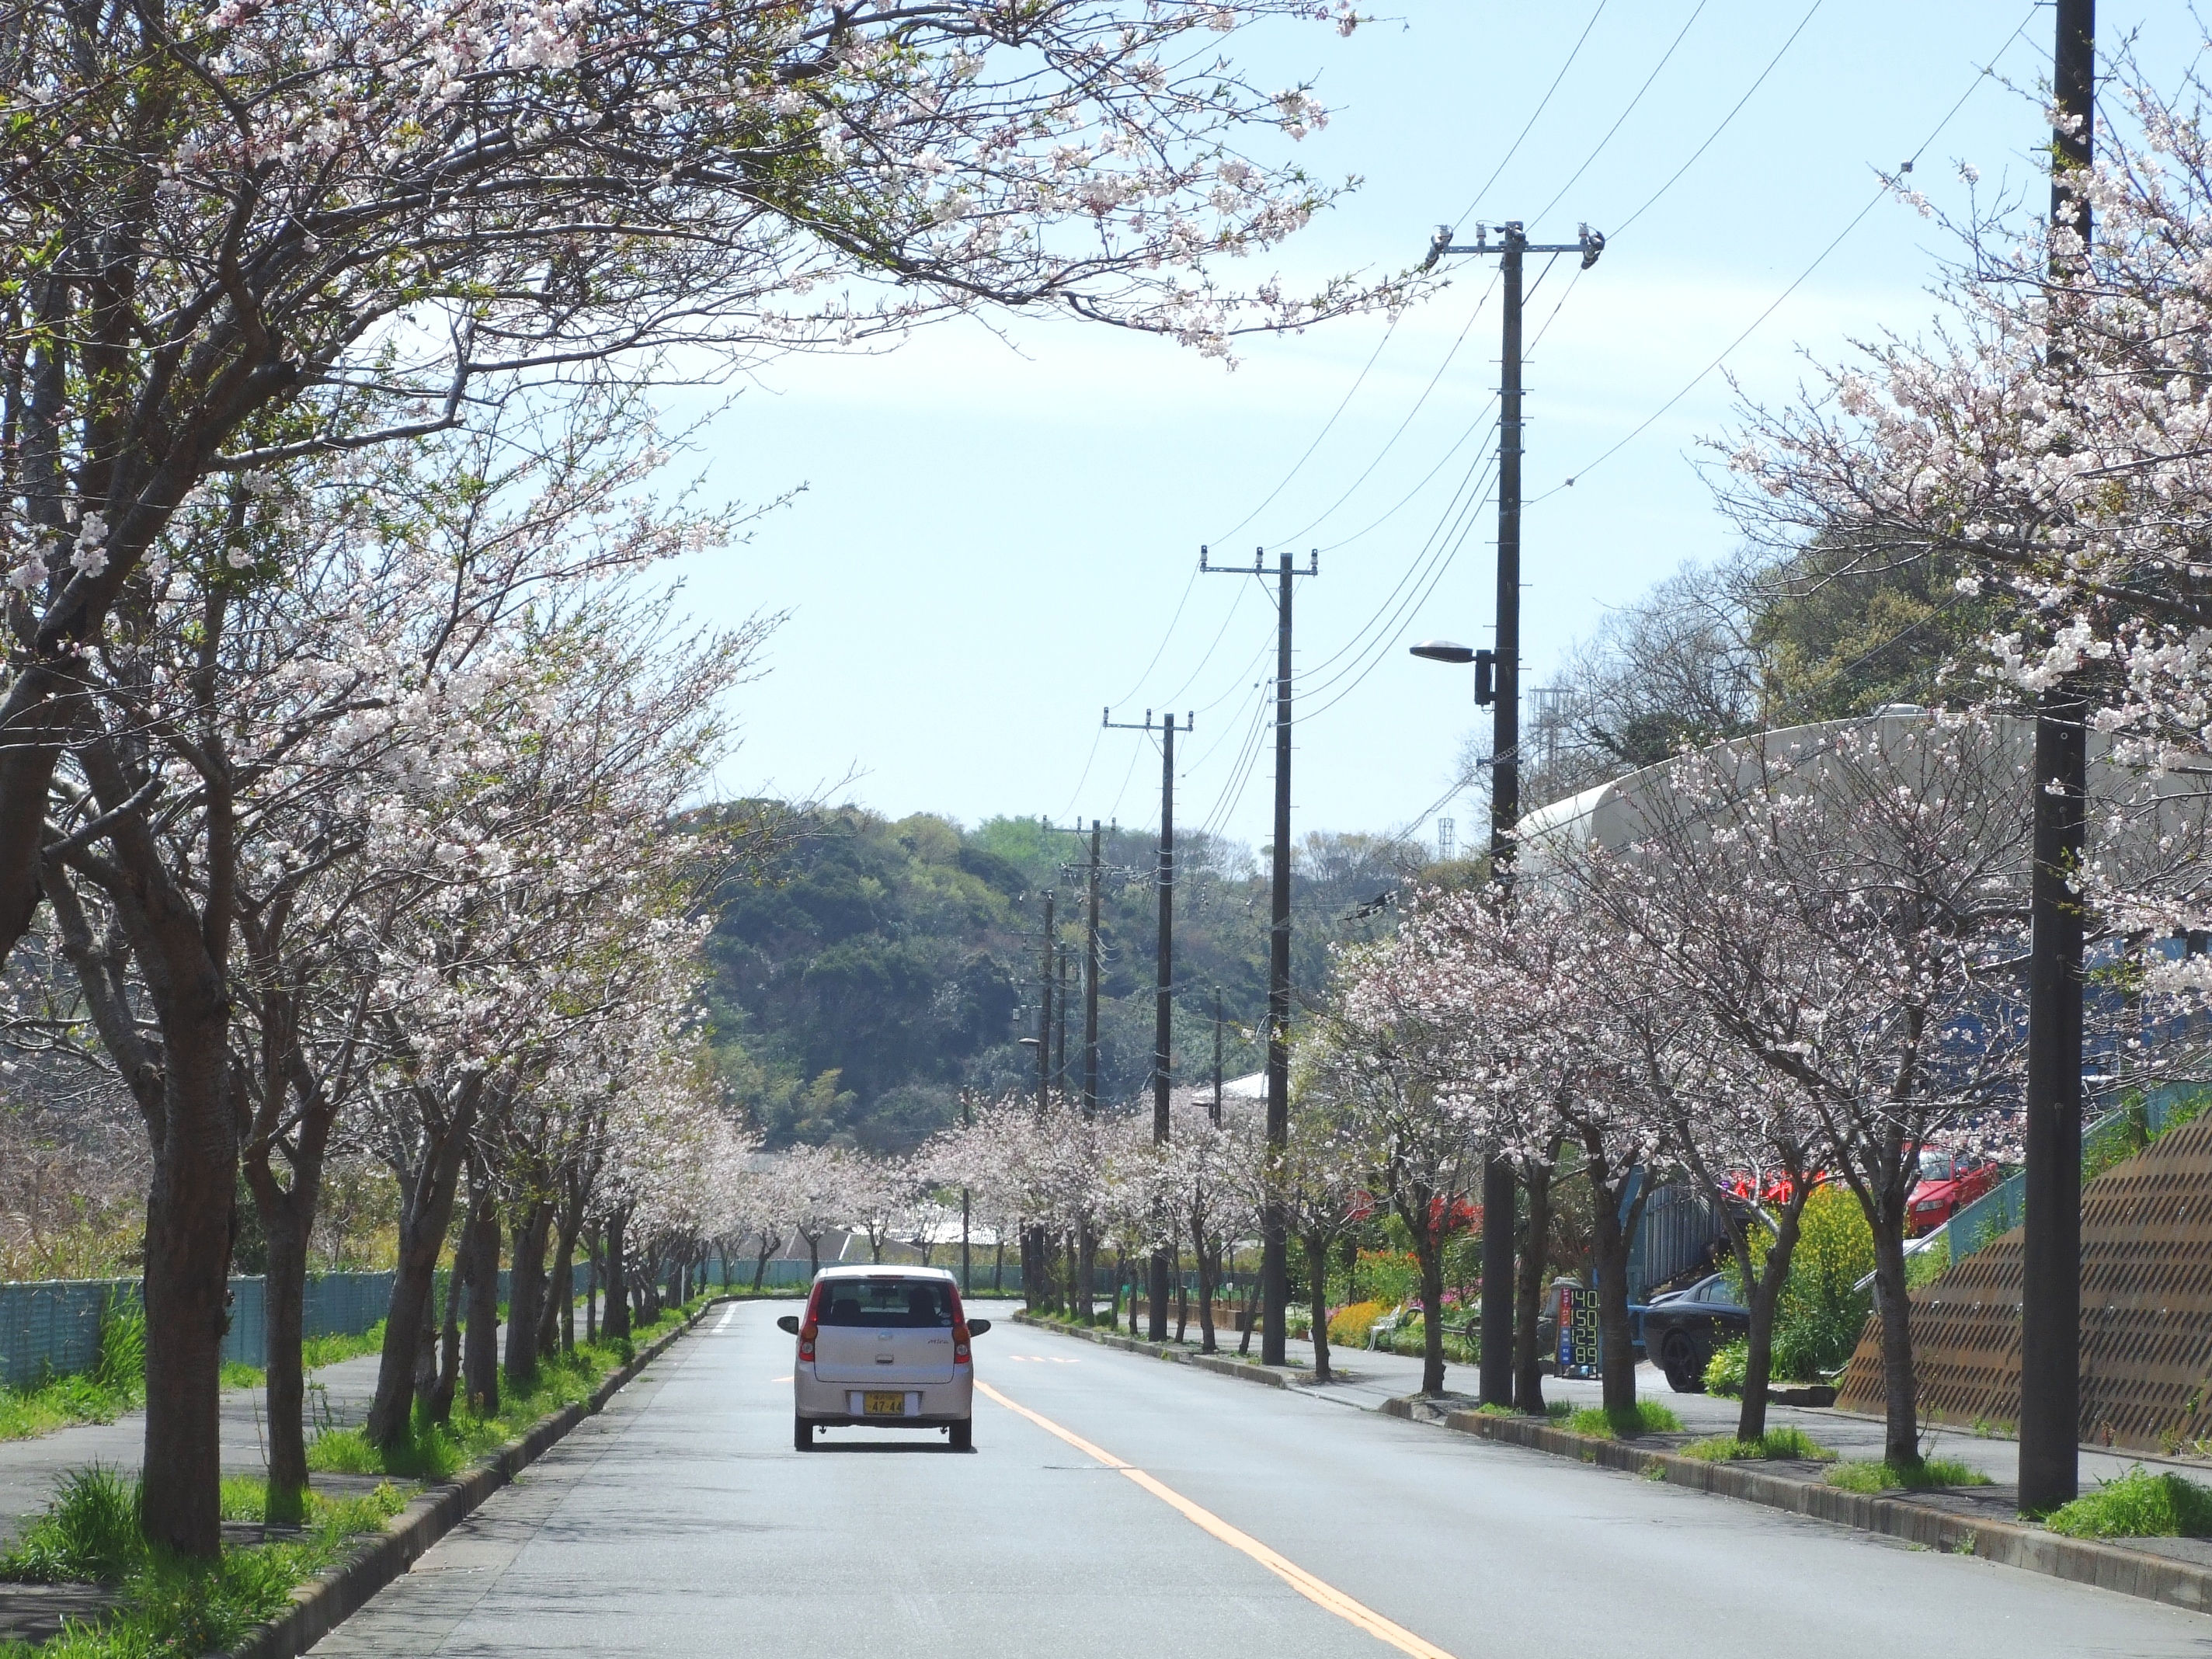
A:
[963,1434]
[1684,1374]
[802,1434]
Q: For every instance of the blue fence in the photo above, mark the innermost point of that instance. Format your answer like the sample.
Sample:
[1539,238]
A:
[51,1328]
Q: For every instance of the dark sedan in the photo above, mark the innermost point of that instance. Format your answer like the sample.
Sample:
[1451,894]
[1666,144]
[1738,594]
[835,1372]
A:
[1682,1330]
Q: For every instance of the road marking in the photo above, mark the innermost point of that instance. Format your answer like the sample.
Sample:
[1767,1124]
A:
[1313,1590]
[728,1313]
[779,1379]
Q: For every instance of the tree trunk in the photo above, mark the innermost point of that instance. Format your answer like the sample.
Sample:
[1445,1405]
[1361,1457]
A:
[1317,1288]
[1902,1430]
[1205,1342]
[615,1328]
[759,1265]
[1086,1268]
[1528,1290]
[283,1298]
[1610,1233]
[438,1403]
[526,1291]
[1429,1249]
[425,1351]
[423,1229]
[560,1327]
[480,1357]
[1182,1293]
[590,1290]
[1763,1292]
[191,1219]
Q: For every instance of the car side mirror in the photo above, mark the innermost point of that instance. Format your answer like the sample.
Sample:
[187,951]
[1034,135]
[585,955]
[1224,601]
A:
[976,1328]
[788,1322]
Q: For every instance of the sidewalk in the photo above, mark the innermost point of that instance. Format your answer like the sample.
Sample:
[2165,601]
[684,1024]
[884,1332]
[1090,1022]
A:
[1367,1380]
[29,1468]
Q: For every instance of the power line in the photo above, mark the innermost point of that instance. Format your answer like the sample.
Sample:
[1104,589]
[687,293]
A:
[1466,328]
[1624,115]
[1802,277]
[1468,212]
[1359,381]
[1725,119]
[1412,574]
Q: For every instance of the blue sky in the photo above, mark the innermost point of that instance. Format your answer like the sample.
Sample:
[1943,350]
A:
[995,532]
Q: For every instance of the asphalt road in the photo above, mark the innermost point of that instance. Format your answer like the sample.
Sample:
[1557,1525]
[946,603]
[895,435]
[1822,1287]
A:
[1250,1523]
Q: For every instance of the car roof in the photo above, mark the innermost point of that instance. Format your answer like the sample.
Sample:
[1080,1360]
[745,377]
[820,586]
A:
[886,1271]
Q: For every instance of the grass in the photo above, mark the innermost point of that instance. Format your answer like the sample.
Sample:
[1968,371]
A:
[1879,1477]
[315,1352]
[90,1533]
[1556,1410]
[2138,1505]
[1645,1417]
[1784,1444]
[115,1384]
[437,1451]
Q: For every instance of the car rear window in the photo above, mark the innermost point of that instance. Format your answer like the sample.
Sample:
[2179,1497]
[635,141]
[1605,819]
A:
[914,1303]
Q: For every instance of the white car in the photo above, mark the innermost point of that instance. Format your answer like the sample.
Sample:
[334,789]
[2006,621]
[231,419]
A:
[886,1348]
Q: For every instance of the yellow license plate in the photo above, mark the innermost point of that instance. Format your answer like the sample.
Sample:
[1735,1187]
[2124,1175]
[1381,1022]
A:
[885,1404]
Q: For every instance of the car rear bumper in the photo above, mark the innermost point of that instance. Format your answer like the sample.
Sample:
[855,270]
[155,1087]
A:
[929,1405]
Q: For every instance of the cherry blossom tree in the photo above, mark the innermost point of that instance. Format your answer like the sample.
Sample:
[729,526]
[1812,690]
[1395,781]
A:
[2047,437]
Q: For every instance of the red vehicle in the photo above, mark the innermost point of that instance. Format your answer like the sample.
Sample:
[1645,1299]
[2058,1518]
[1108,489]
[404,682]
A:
[1948,1182]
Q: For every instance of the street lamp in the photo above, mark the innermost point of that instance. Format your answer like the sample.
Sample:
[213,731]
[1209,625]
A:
[1485,664]
[1442,651]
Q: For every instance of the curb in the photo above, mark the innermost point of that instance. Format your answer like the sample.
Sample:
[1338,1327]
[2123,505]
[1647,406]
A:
[2008,1543]
[323,1602]
[1249,1371]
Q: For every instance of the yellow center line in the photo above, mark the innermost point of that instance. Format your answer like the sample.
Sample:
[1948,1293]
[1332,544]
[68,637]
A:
[1313,1590]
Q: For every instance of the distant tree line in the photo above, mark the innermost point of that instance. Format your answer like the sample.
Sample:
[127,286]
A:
[884,965]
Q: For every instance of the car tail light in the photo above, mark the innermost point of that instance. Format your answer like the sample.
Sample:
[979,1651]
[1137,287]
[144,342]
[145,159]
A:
[809,1325]
[960,1343]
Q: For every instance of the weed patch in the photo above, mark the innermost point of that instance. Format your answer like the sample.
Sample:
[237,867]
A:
[2138,1505]
[91,1534]
[1645,1417]
[1784,1444]
[1877,1477]
[437,1451]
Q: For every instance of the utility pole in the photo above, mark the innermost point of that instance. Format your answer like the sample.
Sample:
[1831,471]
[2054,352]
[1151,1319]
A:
[1060,1036]
[1086,1247]
[2050,1257]
[1497,682]
[1274,1241]
[1217,1057]
[1163,985]
[1090,988]
[1033,1238]
[967,1122]
[1044,1013]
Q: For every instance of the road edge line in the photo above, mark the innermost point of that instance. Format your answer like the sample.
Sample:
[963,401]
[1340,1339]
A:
[326,1600]
[2005,1543]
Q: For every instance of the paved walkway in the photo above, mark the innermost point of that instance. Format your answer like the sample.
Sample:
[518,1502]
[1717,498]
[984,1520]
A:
[339,1395]
[1365,1380]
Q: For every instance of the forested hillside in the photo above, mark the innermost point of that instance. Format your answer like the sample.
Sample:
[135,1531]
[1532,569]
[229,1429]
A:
[884,965]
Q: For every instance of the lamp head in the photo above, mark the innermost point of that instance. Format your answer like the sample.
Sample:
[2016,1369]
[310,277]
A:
[1442,651]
